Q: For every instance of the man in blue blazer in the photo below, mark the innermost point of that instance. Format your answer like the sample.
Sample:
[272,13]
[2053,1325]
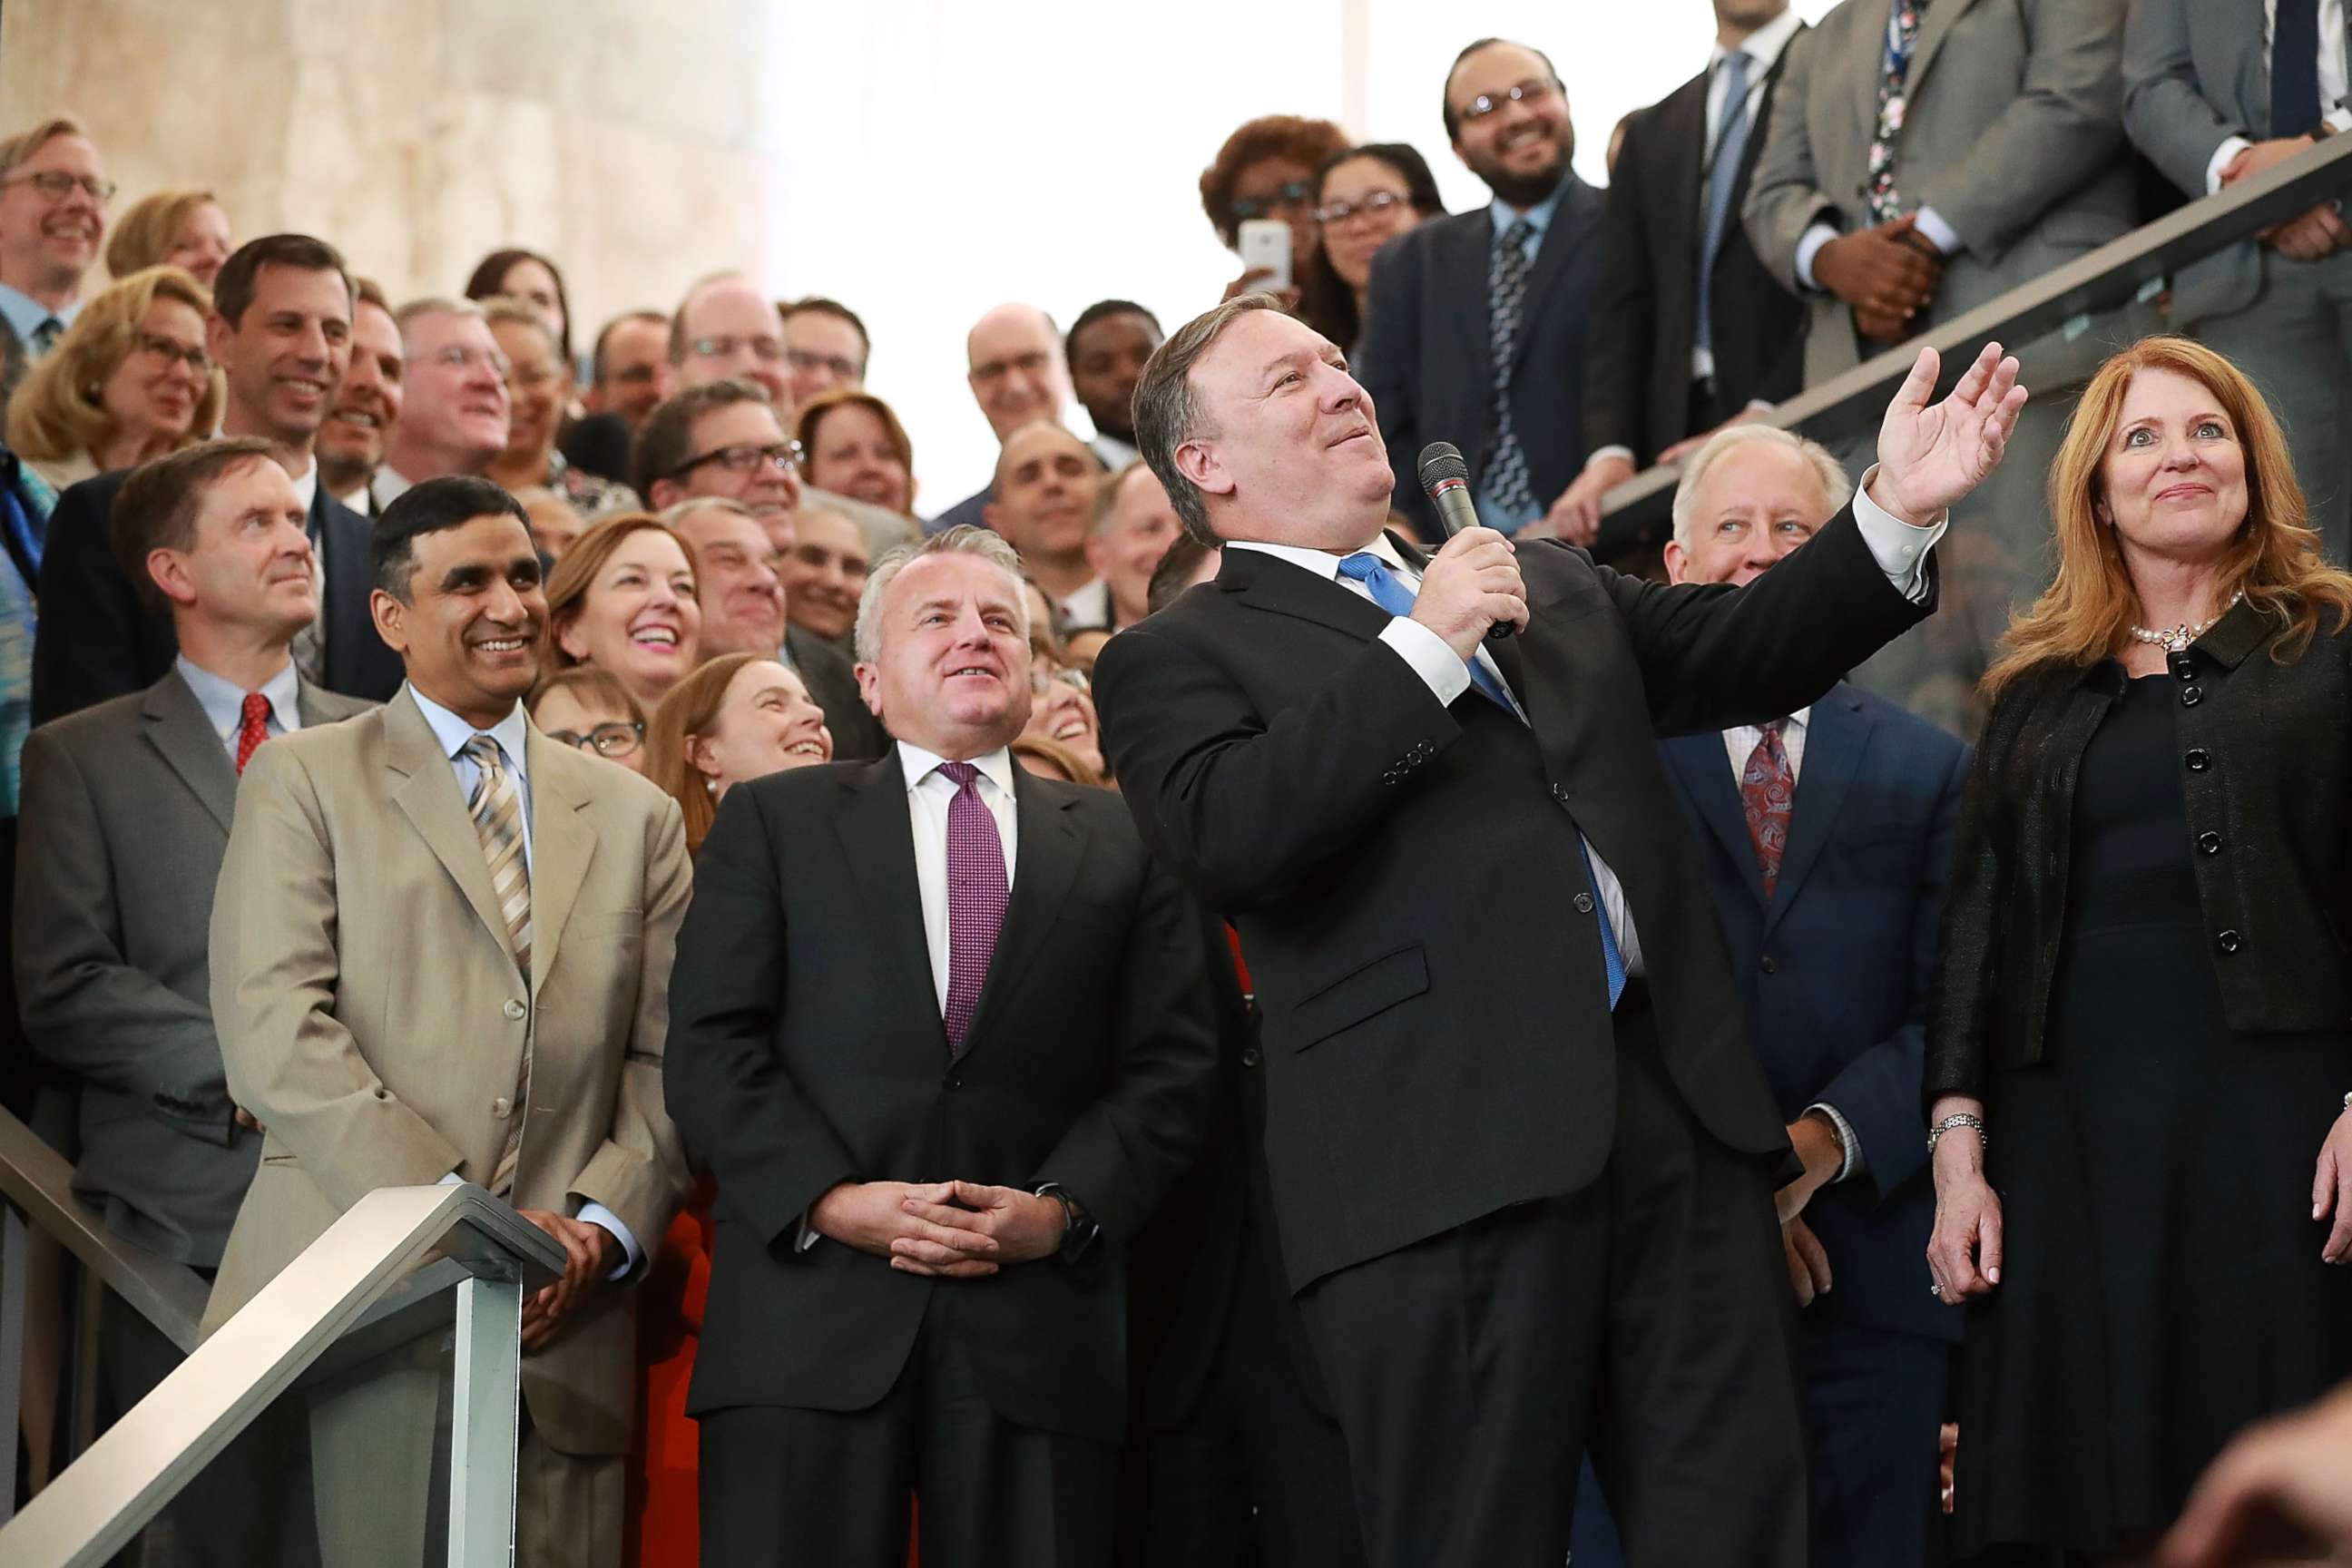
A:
[1826,847]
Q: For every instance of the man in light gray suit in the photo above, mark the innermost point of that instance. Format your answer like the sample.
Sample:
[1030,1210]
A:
[1922,159]
[126,815]
[2214,91]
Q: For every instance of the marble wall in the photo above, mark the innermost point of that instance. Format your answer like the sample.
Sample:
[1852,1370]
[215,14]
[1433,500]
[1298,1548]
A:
[628,139]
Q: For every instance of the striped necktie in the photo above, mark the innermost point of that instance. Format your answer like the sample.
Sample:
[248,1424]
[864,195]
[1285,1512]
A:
[497,810]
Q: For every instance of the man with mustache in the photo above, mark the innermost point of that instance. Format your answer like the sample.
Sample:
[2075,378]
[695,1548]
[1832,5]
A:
[366,410]
[1476,327]
[454,408]
[53,197]
[281,330]
[488,1007]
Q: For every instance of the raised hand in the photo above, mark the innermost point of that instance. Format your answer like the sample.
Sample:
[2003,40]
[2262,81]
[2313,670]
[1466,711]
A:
[1931,455]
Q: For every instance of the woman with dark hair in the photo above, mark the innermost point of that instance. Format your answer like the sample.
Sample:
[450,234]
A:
[1266,170]
[1364,197]
[529,276]
[2139,1038]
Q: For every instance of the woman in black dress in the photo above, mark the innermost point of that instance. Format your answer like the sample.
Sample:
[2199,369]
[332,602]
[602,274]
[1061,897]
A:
[2139,1059]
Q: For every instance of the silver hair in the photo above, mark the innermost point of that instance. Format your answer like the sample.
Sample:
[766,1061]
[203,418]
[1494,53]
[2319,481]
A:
[1836,488]
[415,311]
[960,540]
[674,515]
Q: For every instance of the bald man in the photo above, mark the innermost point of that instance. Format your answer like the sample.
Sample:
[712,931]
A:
[1018,377]
[726,328]
[1044,506]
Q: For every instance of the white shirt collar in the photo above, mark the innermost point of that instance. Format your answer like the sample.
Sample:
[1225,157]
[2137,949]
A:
[306,484]
[1764,45]
[388,483]
[995,766]
[1325,563]
[453,732]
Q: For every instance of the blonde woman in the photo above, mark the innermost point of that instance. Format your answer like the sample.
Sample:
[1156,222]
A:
[2140,1038]
[129,380]
[181,228]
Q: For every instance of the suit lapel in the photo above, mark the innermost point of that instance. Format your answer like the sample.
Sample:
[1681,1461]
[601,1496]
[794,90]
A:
[561,845]
[1263,582]
[1763,122]
[1704,770]
[1046,862]
[1942,16]
[1463,251]
[1836,732]
[176,727]
[1570,229]
[426,789]
[878,844]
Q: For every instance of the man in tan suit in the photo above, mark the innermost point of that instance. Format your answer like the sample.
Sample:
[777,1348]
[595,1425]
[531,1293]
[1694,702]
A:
[440,952]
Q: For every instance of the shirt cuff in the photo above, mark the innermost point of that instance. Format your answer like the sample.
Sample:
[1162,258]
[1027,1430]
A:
[1900,549]
[452,1180]
[1848,1143]
[632,1254]
[2338,120]
[1930,222]
[2229,147]
[1809,247]
[809,1236]
[1623,452]
[1445,673]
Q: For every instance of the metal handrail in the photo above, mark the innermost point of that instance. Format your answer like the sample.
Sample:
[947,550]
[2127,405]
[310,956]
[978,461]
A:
[97,1504]
[1635,514]
[38,1180]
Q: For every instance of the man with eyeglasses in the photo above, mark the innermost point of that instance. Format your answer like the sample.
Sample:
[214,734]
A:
[722,438]
[825,348]
[1107,346]
[1018,377]
[53,197]
[725,329]
[454,411]
[280,332]
[1476,322]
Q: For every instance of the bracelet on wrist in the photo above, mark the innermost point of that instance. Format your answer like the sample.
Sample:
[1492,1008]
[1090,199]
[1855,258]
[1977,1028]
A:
[1962,1119]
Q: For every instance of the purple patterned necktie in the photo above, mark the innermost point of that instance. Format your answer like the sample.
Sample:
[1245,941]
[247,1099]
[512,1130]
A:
[1767,794]
[978,893]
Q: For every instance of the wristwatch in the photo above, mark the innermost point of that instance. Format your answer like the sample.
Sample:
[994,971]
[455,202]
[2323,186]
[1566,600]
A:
[1079,1230]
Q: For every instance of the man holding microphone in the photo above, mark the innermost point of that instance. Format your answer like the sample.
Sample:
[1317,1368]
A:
[1522,1154]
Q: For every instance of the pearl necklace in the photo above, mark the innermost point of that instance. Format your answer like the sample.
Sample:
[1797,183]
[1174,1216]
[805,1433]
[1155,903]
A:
[2177,639]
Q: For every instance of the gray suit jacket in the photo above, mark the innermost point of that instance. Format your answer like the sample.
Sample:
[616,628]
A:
[126,808]
[2013,134]
[2196,73]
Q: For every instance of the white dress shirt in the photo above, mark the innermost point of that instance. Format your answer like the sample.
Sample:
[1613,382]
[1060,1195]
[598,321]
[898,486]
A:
[387,485]
[1900,550]
[1087,609]
[223,701]
[929,790]
[452,732]
[2333,83]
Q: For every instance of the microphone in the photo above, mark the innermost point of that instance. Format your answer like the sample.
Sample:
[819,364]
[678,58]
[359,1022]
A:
[1446,481]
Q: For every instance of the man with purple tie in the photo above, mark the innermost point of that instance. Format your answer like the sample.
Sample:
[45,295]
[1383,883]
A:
[941,1030]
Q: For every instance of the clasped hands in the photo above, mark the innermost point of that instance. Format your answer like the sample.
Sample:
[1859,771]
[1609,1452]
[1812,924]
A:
[1888,273]
[590,1253]
[942,1230]
[2318,231]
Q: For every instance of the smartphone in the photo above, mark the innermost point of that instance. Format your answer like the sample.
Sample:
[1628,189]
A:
[1265,243]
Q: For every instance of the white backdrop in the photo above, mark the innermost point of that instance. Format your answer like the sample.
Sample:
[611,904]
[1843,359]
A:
[938,156]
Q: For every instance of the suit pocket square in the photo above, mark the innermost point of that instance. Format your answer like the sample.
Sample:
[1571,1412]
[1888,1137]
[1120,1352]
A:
[1357,995]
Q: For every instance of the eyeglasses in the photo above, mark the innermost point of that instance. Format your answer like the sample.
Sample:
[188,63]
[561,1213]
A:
[56,185]
[1372,206]
[747,459]
[605,739]
[458,357]
[768,349]
[1291,194]
[163,351]
[1044,678]
[1533,90]
[839,367]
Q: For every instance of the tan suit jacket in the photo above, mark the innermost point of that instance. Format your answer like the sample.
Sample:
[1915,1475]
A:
[371,1014]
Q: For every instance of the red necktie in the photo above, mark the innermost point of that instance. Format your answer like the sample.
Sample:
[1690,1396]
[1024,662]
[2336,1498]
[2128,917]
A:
[1767,793]
[252,729]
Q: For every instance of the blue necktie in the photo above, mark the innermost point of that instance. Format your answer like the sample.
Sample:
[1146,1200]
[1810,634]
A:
[2294,68]
[1730,146]
[1396,597]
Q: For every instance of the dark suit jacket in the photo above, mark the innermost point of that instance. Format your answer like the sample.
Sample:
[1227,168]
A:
[1407,883]
[126,817]
[1637,369]
[1834,971]
[599,444]
[99,640]
[806,1049]
[858,735]
[1425,359]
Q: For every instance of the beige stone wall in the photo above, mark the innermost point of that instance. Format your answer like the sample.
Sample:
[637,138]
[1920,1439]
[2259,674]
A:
[625,138]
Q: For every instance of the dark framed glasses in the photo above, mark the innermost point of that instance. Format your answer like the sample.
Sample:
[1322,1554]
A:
[616,740]
[1295,194]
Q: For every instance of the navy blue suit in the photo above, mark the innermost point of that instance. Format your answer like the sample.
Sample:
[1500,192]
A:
[1832,974]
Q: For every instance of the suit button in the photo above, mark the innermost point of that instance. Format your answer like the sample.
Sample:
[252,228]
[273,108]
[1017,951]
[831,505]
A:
[514,1009]
[2208,843]
[956,1081]
[2229,942]
[502,1108]
[1389,777]
[2183,667]
[1250,1057]
[1767,965]
[2190,696]
[1559,792]
[2198,758]
[1584,903]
